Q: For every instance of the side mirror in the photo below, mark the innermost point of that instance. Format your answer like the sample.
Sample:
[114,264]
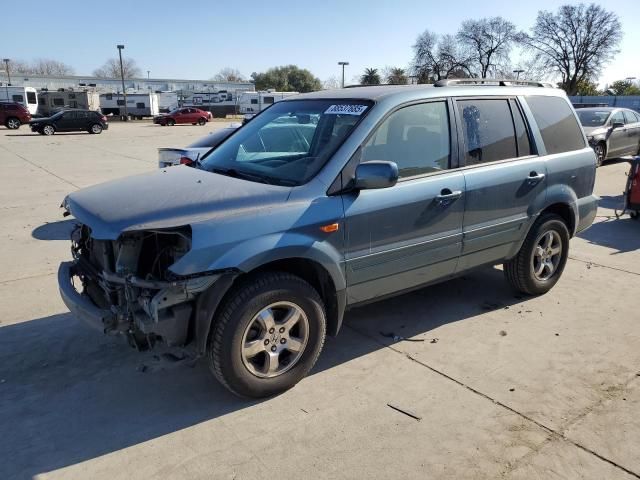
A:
[375,174]
[617,125]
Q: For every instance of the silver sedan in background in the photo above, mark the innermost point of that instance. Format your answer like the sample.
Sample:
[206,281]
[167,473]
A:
[612,132]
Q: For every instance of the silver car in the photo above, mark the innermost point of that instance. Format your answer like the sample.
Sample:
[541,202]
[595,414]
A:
[612,132]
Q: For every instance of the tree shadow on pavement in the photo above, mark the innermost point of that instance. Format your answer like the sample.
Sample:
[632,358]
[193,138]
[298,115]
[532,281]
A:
[70,394]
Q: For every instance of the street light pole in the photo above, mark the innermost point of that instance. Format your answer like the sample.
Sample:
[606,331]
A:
[124,92]
[6,62]
[148,72]
[518,72]
[343,65]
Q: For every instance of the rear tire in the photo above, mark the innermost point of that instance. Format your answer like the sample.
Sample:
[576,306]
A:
[171,122]
[12,123]
[48,130]
[541,260]
[96,129]
[253,351]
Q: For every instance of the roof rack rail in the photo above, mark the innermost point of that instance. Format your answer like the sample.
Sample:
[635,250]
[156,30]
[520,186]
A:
[502,82]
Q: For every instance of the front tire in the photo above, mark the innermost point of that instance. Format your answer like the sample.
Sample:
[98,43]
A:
[268,335]
[540,262]
[202,121]
[601,153]
[48,130]
[171,122]
[12,123]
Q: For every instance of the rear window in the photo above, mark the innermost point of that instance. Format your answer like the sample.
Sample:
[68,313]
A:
[489,133]
[557,123]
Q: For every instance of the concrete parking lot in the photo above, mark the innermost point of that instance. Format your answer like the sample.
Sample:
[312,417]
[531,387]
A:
[497,385]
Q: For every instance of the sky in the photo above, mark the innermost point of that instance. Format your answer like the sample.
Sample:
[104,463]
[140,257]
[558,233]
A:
[195,39]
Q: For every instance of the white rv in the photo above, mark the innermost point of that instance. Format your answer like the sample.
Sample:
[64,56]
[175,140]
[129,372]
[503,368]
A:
[50,102]
[27,96]
[138,104]
[254,102]
[167,101]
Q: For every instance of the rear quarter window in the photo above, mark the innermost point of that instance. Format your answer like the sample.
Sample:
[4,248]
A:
[557,123]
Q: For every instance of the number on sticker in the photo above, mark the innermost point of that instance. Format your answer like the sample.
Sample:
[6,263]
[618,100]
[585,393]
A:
[346,109]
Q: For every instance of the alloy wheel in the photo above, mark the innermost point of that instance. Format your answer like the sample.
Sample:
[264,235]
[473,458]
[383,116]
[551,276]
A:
[547,255]
[275,339]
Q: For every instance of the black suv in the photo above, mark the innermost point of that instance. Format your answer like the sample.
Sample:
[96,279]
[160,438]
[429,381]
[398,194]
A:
[70,121]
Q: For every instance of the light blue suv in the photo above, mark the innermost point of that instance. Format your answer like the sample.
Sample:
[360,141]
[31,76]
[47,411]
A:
[356,194]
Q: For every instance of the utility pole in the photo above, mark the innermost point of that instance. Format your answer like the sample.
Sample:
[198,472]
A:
[6,62]
[124,91]
[343,65]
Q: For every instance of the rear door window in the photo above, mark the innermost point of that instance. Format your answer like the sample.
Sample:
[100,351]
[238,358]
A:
[488,131]
[557,123]
[416,138]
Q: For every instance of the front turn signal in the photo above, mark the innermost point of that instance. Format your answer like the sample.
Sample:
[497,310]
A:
[332,227]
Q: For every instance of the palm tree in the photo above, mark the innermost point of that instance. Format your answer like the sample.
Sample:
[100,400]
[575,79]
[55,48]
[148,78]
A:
[370,77]
[396,76]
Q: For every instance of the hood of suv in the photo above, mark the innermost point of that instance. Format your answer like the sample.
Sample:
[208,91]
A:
[167,198]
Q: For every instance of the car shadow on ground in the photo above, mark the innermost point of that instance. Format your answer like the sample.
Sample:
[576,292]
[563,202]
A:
[60,230]
[70,394]
[621,234]
[35,134]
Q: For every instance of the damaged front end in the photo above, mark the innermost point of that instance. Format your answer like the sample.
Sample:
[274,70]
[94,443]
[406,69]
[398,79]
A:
[126,287]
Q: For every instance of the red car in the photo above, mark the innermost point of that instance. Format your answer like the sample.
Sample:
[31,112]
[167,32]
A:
[183,115]
[12,115]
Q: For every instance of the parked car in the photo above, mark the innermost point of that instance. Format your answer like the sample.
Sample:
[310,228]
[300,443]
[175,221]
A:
[183,115]
[13,114]
[168,157]
[612,132]
[251,258]
[70,121]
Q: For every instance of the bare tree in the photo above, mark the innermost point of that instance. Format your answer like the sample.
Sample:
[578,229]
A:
[395,76]
[228,75]
[576,42]
[437,57]
[490,40]
[331,83]
[111,68]
[42,66]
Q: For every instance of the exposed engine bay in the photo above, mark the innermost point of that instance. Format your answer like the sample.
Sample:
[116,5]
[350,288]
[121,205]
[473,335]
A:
[130,279]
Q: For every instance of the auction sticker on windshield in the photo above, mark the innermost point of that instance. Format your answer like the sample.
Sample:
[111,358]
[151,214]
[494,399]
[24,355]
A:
[346,109]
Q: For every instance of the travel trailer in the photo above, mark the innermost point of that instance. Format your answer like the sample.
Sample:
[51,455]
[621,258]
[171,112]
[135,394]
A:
[50,102]
[138,104]
[254,102]
[167,101]
[27,96]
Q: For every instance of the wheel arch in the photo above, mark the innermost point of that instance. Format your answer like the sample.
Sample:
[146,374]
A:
[313,272]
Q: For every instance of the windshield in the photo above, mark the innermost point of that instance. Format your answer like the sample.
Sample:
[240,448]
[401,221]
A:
[288,143]
[593,118]
[213,139]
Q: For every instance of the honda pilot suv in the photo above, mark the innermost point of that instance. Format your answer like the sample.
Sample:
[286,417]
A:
[252,257]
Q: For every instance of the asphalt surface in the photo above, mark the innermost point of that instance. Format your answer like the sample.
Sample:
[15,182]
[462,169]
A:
[497,386]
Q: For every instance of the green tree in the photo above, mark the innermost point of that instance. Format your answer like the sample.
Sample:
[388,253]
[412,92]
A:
[624,87]
[370,77]
[587,88]
[287,78]
[396,76]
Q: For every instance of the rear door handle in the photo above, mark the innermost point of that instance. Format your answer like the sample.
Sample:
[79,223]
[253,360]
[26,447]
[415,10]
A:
[446,195]
[535,177]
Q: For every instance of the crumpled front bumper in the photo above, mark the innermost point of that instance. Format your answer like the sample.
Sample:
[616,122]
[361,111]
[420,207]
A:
[78,304]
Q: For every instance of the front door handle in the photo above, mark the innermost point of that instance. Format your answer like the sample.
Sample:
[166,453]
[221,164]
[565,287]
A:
[535,177]
[446,196]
